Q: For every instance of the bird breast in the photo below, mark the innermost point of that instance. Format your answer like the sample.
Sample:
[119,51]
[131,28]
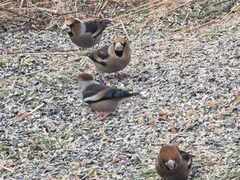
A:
[104,106]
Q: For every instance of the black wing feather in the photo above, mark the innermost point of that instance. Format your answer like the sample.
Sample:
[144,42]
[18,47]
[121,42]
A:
[92,89]
[114,93]
[102,53]
[91,26]
[111,93]
[96,26]
[187,157]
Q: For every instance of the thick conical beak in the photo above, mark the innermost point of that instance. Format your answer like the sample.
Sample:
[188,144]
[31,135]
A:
[171,164]
[118,46]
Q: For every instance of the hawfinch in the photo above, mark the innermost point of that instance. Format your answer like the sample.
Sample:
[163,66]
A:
[173,164]
[85,34]
[113,58]
[101,98]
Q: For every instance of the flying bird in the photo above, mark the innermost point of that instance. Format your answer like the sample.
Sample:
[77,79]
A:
[173,164]
[101,98]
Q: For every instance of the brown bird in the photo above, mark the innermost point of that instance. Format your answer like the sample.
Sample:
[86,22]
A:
[173,164]
[85,34]
[112,58]
[101,98]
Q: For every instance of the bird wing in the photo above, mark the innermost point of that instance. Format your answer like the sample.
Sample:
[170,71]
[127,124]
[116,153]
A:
[97,92]
[91,26]
[95,28]
[101,25]
[92,90]
[103,52]
[114,93]
[99,56]
[187,157]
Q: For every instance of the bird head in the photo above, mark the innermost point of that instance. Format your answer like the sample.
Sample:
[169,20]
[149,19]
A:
[119,44]
[85,77]
[85,80]
[69,22]
[170,156]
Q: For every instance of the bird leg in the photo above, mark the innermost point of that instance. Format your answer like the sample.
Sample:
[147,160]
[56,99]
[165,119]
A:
[102,82]
[91,67]
[103,115]
[101,79]
[121,76]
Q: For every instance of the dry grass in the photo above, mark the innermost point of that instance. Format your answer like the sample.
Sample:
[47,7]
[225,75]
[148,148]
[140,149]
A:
[42,13]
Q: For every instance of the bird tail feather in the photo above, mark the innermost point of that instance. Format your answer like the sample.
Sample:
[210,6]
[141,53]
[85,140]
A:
[120,94]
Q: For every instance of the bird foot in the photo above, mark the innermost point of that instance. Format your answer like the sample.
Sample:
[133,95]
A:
[119,76]
[103,115]
[102,82]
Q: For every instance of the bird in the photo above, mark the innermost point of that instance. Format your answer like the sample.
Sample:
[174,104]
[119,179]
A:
[112,58]
[102,99]
[172,163]
[85,33]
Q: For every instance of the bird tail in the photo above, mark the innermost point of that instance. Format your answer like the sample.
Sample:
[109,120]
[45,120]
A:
[118,93]
[134,94]
[106,22]
[103,24]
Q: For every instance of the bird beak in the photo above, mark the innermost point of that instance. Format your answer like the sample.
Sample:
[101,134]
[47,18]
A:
[171,164]
[118,46]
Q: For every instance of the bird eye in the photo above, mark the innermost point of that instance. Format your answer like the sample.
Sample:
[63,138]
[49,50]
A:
[123,44]
[70,34]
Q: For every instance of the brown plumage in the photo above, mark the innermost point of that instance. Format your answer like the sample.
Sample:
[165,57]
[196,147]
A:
[173,164]
[85,34]
[112,58]
[101,98]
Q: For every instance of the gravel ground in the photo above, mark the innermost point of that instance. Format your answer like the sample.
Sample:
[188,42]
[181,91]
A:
[190,95]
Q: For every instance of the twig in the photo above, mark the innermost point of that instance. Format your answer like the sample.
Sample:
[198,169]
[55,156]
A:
[35,72]
[202,25]
[26,114]
[101,7]
[88,174]
[66,62]
[19,15]
[54,12]
[6,168]
[124,29]
[139,9]
[21,3]
[143,6]
[174,9]
[38,107]
[57,52]
[5,3]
